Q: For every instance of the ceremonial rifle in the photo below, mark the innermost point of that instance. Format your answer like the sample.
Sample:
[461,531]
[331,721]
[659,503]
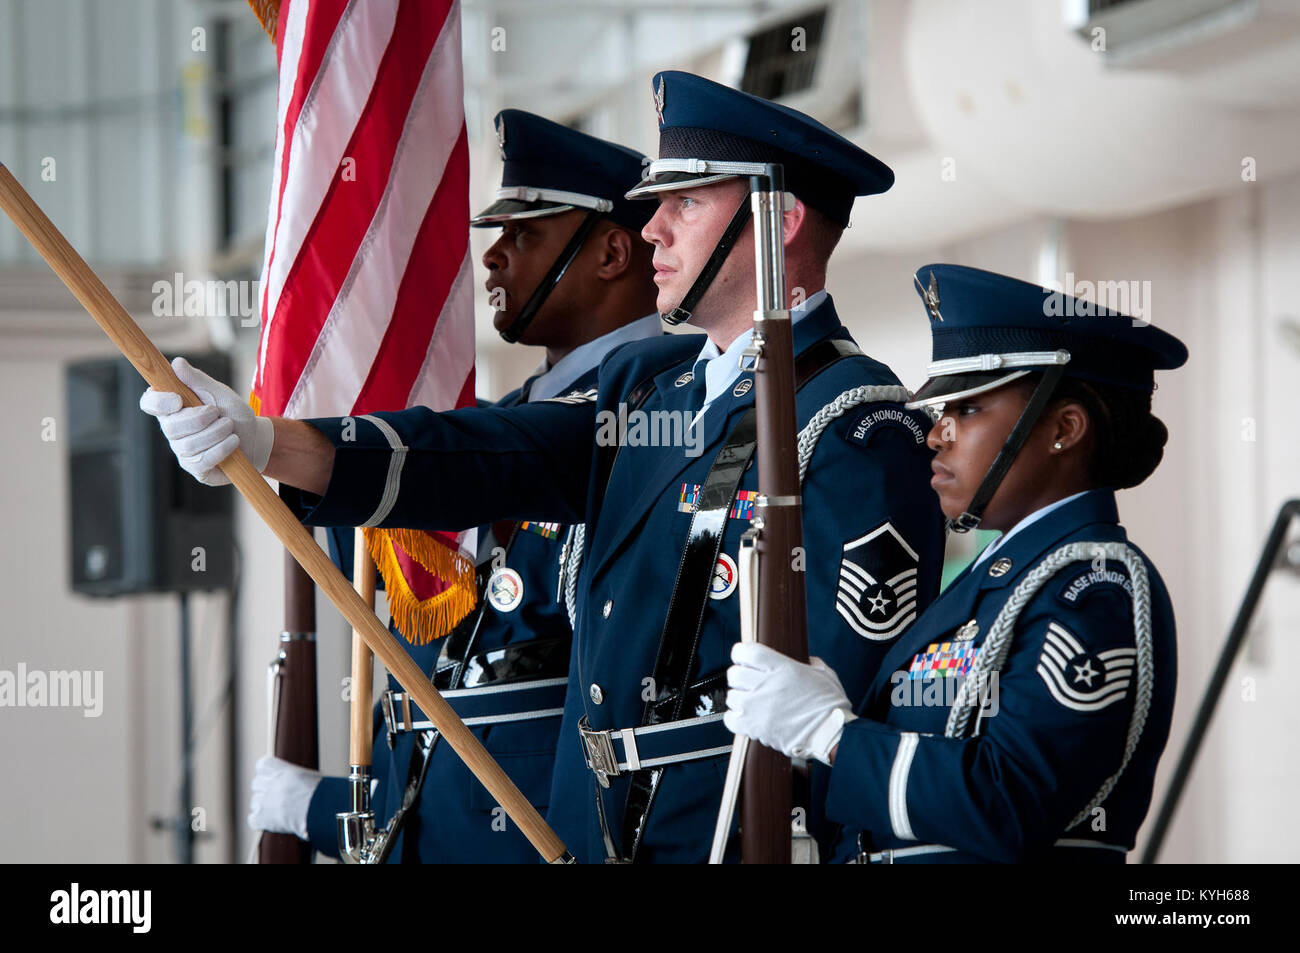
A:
[761,776]
[135,345]
[293,715]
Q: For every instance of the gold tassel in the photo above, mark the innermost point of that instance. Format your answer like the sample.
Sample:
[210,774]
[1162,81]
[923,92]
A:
[422,621]
[268,14]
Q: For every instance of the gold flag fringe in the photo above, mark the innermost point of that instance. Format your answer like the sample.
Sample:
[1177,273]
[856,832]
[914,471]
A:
[268,14]
[422,620]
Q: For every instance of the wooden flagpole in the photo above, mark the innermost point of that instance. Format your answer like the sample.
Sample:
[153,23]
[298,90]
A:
[153,367]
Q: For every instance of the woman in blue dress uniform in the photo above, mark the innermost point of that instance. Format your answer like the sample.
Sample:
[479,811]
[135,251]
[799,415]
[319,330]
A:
[1022,717]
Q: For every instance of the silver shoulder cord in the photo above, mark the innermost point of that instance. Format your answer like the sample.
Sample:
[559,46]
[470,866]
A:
[997,647]
[570,561]
[812,431]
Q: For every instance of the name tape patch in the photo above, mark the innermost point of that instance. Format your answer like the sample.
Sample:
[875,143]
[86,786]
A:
[1080,584]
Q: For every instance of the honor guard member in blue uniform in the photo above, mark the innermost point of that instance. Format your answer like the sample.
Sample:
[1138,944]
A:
[1022,717]
[668,430]
[570,273]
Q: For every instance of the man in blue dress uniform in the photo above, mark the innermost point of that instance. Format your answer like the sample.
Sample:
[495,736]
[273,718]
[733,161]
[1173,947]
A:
[570,273]
[665,435]
[1023,716]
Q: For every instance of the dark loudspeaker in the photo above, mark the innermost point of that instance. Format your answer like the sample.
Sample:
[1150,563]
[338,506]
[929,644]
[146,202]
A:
[139,522]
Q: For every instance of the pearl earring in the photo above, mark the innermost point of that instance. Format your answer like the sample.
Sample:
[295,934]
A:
[1057,445]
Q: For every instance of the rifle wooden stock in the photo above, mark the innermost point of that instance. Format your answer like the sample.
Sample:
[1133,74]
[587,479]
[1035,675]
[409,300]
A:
[149,361]
[296,720]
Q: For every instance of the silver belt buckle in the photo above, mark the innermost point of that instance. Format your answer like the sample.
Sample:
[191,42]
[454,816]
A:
[863,855]
[386,706]
[600,752]
[396,720]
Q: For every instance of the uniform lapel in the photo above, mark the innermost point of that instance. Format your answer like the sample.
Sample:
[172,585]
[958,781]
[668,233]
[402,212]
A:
[647,485]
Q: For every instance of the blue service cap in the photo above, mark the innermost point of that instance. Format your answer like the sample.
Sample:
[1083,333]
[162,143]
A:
[988,330]
[703,124]
[550,169]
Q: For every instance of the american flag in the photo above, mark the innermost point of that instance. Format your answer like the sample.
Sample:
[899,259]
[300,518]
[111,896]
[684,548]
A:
[366,298]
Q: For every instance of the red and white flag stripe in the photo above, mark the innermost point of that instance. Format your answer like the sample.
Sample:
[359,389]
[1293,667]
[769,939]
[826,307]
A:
[367,303]
[366,298]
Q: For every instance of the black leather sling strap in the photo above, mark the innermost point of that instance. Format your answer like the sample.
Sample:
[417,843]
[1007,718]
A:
[679,642]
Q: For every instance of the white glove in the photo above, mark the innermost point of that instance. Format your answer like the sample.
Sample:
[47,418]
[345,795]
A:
[800,710]
[202,437]
[281,795]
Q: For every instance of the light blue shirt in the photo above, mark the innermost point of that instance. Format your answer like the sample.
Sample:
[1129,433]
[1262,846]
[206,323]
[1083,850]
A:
[1033,517]
[586,356]
[723,367]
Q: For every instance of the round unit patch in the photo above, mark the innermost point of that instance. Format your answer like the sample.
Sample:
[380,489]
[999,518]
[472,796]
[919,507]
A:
[505,589]
[725,577]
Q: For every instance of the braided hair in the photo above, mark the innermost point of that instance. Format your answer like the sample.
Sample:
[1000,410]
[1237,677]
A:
[1129,440]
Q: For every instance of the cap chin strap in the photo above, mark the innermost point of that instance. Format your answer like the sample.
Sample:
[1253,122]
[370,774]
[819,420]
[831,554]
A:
[682,313]
[1043,391]
[515,330]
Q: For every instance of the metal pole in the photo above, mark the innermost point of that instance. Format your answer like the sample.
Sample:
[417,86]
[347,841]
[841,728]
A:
[184,831]
[1210,701]
[233,787]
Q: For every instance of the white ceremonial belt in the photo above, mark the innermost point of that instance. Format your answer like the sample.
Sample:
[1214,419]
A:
[612,752]
[484,705]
